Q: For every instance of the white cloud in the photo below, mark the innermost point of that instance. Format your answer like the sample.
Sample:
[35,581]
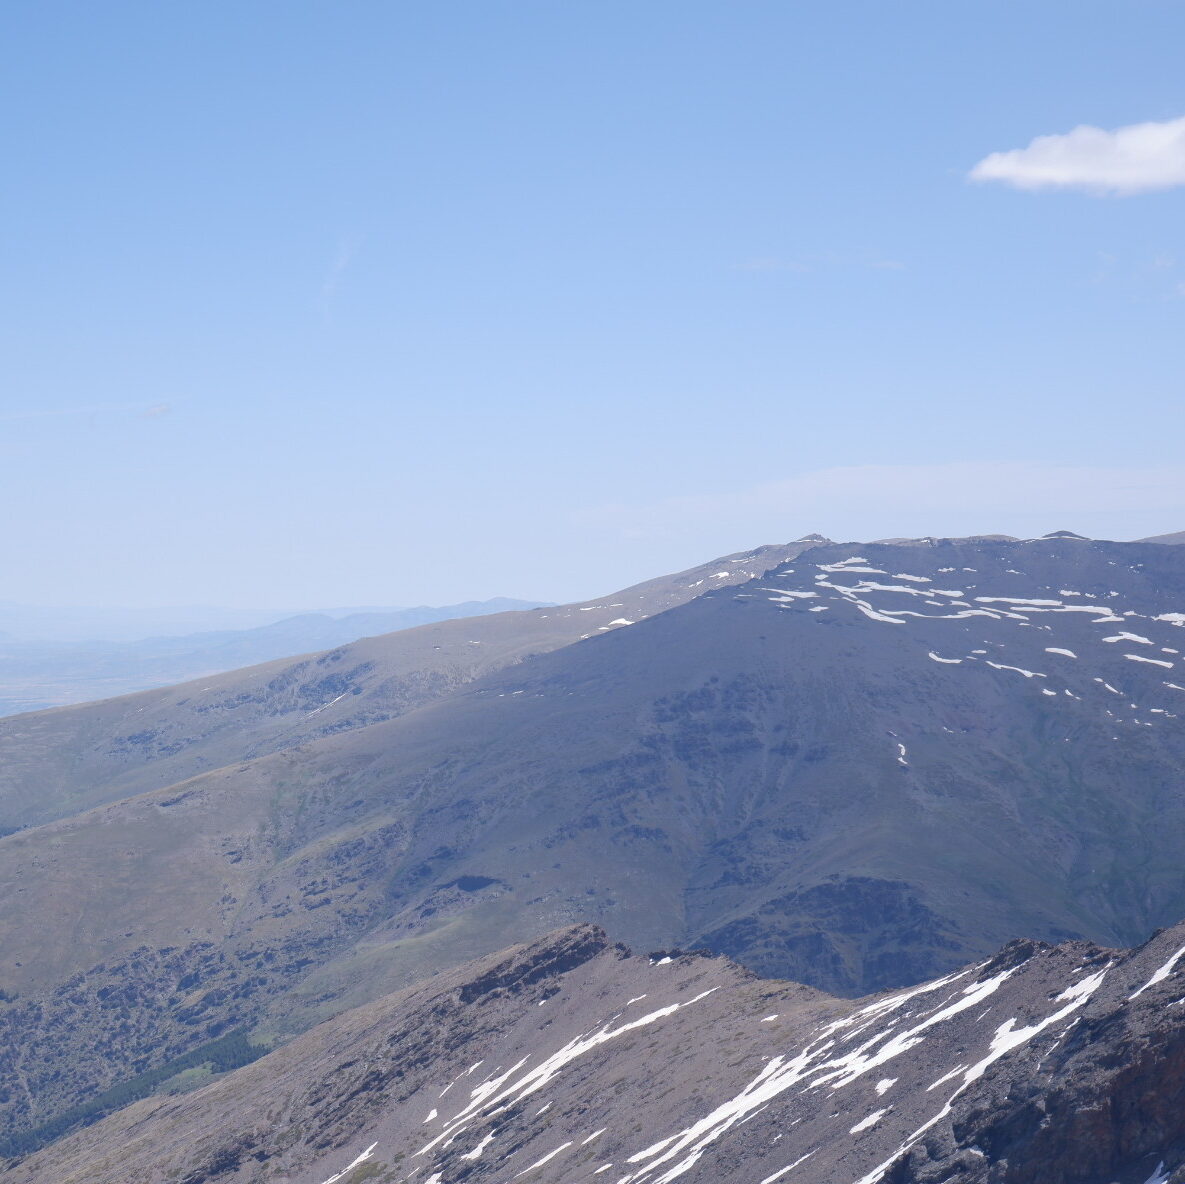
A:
[1134,159]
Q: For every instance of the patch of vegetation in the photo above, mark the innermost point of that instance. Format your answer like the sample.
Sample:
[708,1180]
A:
[187,1080]
[227,1052]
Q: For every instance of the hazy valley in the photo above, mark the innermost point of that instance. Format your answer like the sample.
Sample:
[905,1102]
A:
[48,659]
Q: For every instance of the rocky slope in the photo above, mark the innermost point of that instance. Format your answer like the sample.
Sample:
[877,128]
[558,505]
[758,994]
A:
[571,1060]
[861,770]
[60,762]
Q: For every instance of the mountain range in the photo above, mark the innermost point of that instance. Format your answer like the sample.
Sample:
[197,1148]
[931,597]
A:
[858,766]
[36,673]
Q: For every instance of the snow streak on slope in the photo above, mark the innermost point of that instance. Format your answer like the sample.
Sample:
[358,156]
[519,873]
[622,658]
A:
[981,623]
[837,1068]
[352,1165]
[496,1095]
[705,1085]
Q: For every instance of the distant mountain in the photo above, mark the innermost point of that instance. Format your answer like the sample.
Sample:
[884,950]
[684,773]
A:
[56,623]
[55,763]
[37,674]
[572,1060]
[1173,539]
[859,769]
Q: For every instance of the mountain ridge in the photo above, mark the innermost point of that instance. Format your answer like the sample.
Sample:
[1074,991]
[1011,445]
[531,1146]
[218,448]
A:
[1042,1065]
[114,748]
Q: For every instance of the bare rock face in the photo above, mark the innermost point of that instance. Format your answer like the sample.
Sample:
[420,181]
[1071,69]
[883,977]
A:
[572,1059]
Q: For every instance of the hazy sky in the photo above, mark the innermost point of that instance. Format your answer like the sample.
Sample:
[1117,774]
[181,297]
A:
[366,303]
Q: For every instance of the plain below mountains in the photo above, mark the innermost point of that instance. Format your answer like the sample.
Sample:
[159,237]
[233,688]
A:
[36,673]
[859,766]
[571,1060]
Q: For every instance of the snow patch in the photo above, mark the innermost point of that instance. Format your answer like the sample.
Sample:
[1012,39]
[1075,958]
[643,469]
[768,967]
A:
[1018,600]
[1017,670]
[802,1159]
[873,615]
[511,1088]
[347,1170]
[476,1152]
[1007,1038]
[546,1159]
[1162,973]
[868,1123]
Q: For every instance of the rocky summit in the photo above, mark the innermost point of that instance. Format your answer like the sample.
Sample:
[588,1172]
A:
[572,1059]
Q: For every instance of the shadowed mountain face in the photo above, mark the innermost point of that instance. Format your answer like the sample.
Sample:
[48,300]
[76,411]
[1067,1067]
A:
[571,1060]
[859,770]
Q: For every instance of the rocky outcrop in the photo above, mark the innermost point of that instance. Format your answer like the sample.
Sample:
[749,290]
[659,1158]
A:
[571,1058]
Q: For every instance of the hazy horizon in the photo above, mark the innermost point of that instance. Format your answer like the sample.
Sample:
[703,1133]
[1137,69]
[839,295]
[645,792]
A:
[422,304]
[255,614]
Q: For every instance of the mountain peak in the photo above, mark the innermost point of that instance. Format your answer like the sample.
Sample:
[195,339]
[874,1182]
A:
[1171,539]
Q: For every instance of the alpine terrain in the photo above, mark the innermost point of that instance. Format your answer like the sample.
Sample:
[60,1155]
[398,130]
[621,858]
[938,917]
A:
[571,1060]
[860,767]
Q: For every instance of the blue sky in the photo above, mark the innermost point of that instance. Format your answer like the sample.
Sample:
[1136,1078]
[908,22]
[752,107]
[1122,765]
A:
[312,304]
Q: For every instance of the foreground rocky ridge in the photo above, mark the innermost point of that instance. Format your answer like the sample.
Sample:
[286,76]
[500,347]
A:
[571,1059]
